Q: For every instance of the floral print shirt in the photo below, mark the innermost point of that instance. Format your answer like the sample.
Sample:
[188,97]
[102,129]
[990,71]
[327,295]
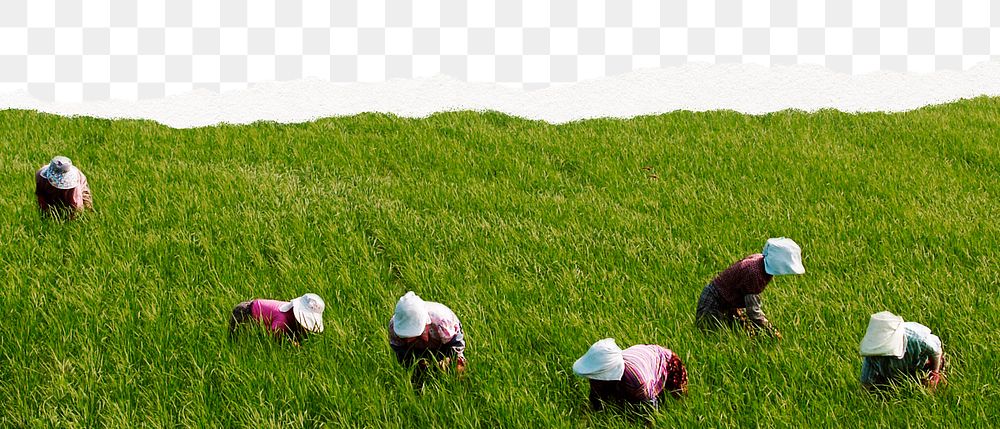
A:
[441,337]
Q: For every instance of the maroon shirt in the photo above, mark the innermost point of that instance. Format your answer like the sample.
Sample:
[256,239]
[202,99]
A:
[745,277]
[51,196]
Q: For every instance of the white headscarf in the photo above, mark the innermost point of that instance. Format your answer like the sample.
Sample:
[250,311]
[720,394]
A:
[885,336]
[782,256]
[603,361]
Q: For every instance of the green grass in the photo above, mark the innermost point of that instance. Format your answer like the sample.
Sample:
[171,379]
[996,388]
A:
[542,238]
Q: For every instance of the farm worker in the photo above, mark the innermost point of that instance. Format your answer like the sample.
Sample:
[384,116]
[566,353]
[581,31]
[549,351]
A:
[295,318]
[893,348]
[641,374]
[60,185]
[739,287]
[422,332]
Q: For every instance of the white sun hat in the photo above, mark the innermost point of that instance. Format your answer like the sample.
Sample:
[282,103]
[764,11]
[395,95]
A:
[61,173]
[782,256]
[308,311]
[411,316]
[885,336]
[603,361]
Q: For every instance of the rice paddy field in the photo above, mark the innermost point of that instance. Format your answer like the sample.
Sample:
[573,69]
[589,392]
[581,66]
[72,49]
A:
[542,238]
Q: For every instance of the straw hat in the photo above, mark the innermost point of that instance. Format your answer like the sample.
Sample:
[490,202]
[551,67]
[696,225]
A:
[603,361]
[411,316]
[885,336]
[782,256]
[308,311]
[61,173]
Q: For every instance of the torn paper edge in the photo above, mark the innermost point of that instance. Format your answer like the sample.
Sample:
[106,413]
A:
[695,87]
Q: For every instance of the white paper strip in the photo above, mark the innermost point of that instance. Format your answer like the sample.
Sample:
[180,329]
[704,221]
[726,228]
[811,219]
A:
[697,87]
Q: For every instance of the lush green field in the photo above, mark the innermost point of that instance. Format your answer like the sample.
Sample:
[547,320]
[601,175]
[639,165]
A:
[542,238]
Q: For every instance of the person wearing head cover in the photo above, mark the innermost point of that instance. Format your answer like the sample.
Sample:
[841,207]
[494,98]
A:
[422,332]
[893,349]
[293,319]
[733,296]
[59,185]
[642,374]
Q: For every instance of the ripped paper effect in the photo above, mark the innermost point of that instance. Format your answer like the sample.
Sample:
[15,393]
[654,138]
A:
[696,87]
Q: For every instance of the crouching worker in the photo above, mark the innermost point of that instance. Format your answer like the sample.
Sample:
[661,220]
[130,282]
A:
[733,297]
[426,333]
[61,187]
[294,319]
[640,375]
[893,349]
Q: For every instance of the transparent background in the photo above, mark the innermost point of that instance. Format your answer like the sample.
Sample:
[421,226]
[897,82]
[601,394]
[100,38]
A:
[73,50]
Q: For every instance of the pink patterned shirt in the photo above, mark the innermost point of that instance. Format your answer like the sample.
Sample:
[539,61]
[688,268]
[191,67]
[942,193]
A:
[650,370]
[644,369]
[442,335]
